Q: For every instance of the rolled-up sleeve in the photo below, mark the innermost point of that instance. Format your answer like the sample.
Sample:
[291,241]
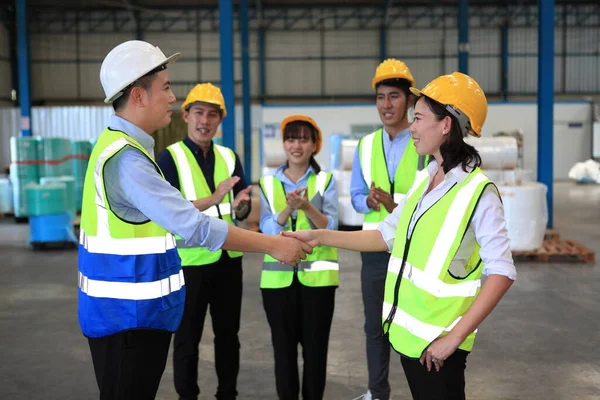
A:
[489,225]
[268,220]
[330,205]
[359,191]
[389,225]
[131,177]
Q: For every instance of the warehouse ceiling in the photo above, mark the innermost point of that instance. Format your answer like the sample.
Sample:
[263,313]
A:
[141,5]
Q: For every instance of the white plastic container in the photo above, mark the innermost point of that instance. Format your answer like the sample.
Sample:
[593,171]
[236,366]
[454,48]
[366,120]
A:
[526,213]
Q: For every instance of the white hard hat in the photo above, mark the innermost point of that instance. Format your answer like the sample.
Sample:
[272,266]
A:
[128,62]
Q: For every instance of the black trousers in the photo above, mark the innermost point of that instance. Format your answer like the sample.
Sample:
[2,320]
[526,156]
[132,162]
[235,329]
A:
[129,364]
[372,278]
[218,285]
[300,314]
[447,384]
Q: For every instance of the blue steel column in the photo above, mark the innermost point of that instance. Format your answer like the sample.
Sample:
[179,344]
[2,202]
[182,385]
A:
[246,89]
[504,65]
[227,77]
[545,100]
[23,65]
[463,36]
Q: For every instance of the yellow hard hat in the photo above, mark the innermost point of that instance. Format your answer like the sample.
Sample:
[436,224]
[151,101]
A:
[463,98]
[390,69]
[206,93]
[305,118]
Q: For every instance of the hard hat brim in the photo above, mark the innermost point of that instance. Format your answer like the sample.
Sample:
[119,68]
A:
[171,59]
[416,92]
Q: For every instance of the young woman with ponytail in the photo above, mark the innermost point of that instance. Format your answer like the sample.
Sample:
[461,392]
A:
[299,300]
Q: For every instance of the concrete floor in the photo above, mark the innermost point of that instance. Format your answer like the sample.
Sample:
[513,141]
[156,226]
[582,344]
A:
[541,342]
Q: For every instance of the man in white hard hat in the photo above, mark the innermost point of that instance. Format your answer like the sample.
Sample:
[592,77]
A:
[131,285]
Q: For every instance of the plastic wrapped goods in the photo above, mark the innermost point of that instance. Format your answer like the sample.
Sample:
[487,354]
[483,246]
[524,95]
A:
[46,199]
[71,195]
[510,177]
[55,154]
[347,214]
[6,200]
[273,155]
[496,152]
[526,213]
[347,153]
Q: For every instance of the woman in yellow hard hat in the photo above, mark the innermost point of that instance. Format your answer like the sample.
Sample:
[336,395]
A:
[299,300]
[446,232]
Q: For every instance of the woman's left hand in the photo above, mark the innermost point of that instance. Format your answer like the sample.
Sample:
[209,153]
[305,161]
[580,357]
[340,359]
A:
[297,202]
[439,350]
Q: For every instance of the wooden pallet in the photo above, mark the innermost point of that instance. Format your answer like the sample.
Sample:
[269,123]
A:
[558,251]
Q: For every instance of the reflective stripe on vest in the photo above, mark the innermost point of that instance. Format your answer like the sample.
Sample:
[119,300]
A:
[195,187]
[422,300]
[374,170]
[320,268]
[131,290]
[129,273]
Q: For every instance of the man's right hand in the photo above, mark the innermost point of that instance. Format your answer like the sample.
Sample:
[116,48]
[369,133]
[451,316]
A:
[223,188]
[372,200]
[289,250]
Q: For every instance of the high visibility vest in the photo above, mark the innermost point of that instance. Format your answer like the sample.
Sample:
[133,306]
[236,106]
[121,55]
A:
[320,268]
[374,169]
[423,299]
[192,183]
[129,273]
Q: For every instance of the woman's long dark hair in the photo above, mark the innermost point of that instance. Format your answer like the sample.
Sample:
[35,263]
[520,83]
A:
[454,150]
[294,130]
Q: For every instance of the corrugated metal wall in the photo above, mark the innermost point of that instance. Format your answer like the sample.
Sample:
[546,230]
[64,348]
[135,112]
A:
[322,61]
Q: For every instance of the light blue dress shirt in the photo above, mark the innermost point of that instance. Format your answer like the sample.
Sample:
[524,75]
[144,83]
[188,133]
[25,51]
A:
[268,220]
[393,150]
[136,192]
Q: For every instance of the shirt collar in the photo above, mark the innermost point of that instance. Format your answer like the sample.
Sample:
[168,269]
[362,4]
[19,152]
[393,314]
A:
[456,174]
[400,136]
[281,176]
[194,147]
[132,130]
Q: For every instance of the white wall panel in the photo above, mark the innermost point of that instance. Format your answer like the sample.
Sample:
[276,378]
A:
[352,43]
[209,44]
[292,44]
[414,42]
[522,74]
[54,81]
[574,142]
[52,47]
[94,47]
[349,77]
[289,78]
[486,71]
[89,81]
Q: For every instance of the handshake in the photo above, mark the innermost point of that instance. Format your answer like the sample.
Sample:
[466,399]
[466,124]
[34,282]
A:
[292,247]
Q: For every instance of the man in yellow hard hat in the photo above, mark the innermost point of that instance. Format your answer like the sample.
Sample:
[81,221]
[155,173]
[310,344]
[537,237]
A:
[131,286]
[384,168]
[211,176]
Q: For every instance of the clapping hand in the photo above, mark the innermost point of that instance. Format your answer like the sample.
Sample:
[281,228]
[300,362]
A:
[241,200]
[298,199]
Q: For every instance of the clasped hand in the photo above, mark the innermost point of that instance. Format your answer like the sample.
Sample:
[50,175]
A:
[378,196]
